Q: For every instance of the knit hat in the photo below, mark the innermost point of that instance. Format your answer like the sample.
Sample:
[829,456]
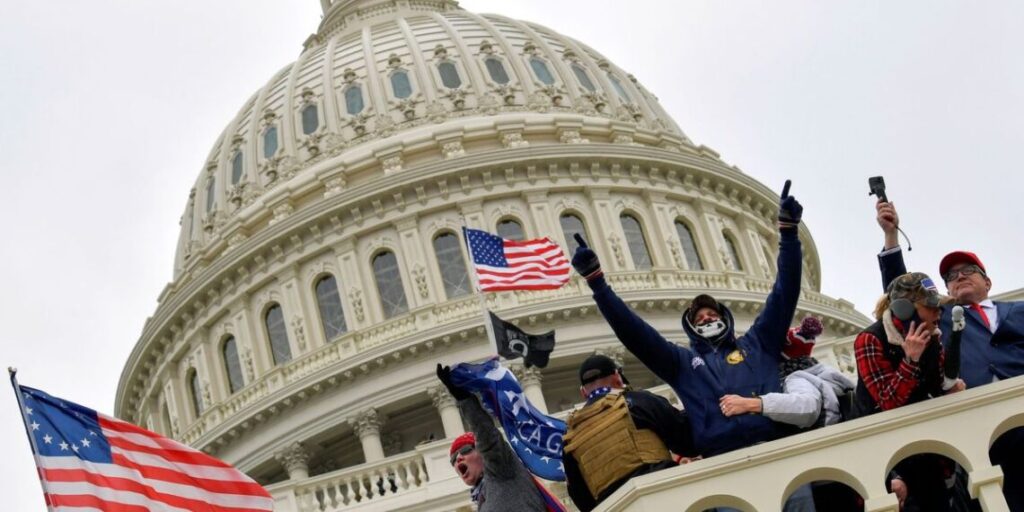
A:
[465,439]
[811,327]
[800,340]
[701,301]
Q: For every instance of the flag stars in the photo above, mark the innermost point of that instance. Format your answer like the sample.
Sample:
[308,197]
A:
[35,426]
[74,447]
[91,433]
[63,446]
[85,442]
[47,439]
[28,411]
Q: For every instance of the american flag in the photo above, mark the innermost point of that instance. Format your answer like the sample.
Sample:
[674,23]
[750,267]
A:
[89,461]
[501,265]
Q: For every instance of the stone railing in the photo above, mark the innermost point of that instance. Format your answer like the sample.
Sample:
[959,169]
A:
[858,453]
[399,481]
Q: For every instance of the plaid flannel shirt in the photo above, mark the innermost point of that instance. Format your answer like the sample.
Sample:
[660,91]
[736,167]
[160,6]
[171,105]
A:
[889,387]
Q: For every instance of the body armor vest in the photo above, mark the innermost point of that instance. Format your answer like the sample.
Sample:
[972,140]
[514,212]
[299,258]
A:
[606,443]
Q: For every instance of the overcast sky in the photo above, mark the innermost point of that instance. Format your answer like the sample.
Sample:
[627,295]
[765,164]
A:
[109,108]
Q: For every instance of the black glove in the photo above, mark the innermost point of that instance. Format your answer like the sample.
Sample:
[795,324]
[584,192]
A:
[789,208]
[444,374]
[585,260]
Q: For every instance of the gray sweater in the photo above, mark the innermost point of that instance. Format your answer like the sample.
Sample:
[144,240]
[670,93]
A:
[506,484]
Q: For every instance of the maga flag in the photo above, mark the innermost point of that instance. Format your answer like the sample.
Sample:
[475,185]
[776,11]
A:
[535,349]
[535,436]
[91,461]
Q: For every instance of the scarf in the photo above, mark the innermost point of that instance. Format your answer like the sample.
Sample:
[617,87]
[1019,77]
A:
[788,366]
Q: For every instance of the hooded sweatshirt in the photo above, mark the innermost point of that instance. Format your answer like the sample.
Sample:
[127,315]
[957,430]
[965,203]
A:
[704,372]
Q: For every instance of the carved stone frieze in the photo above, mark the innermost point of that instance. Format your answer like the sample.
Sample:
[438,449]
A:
[299,331]
[514,140]
[293,457]
[355,296]
[452,150]
[440,397]
[366,423]
[281,212]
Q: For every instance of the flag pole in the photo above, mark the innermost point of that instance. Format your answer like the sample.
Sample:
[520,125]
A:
[479,293]
[31,440]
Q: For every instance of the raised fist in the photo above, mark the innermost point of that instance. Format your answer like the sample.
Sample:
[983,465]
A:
[585,260]
[790,209]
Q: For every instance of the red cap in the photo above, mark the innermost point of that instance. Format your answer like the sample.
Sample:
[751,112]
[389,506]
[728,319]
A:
[797,345]
[957,257]
[463,440]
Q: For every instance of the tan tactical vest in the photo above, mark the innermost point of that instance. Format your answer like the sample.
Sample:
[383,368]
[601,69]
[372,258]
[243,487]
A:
[606,443]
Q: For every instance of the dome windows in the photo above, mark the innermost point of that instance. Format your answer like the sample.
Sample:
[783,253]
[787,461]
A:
[690,254]
[449,75]
[636,241]
[496,69]
[572,225]
[332,317]
[270,141]
[236,168]
[540,69]
[389,284]
[619,89]
[583,77]
[732,256]
[278,334]
[450,262]
[232,364]
[354,100]
[195,392]
[401,87]
[510,229]
[310,119]
[211,190]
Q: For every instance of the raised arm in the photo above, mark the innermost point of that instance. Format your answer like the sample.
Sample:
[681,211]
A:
[499,459]
[771,325]
[647,344]
[890,260]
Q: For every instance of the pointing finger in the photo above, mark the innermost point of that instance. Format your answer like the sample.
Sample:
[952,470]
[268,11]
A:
[785,189]
[580,240]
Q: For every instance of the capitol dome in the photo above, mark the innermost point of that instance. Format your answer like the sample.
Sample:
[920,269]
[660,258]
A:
[321,273]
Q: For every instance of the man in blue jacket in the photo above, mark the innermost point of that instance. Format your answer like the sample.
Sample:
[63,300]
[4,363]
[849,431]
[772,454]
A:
[992,342]
[717,363]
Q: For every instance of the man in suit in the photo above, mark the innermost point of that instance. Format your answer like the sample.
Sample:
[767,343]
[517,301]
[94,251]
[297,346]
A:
[992,343]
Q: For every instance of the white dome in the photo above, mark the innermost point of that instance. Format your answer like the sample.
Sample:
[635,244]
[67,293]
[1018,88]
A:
[460,67]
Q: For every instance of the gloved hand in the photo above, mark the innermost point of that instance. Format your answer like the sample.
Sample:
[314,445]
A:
[585,260]
[444,374]
[790,209]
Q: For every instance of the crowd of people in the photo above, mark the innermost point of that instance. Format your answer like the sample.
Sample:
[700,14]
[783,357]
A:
[738,391]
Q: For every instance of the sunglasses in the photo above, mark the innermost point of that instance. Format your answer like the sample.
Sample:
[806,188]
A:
[967,271]
[463,450]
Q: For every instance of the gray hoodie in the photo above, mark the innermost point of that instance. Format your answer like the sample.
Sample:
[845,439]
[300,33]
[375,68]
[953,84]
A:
[807,392]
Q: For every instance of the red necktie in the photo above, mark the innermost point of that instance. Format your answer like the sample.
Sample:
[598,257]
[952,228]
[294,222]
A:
[981,313]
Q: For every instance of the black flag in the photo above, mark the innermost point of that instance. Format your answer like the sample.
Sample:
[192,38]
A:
[513,342]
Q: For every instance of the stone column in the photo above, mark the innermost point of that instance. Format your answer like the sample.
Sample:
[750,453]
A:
[367,426]
[986,484]
[448,409]
[295,459]
[530,379]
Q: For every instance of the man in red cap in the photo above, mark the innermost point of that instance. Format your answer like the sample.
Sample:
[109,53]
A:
[992,342]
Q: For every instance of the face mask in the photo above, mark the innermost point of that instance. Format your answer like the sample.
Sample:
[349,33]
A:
[710,330]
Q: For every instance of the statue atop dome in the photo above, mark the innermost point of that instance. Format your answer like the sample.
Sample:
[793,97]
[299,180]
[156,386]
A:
[339,14]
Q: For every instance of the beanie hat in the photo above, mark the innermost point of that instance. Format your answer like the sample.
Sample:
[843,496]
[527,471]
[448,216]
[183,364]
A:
[464,439]
[797,345]
[701,301]
[811,327]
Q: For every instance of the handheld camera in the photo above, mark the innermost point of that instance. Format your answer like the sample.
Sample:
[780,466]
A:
[877,185]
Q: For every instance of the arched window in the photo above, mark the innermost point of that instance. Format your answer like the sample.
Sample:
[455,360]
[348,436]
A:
[449,75]
[540,68]
[278,334]
[400,84]
[619,89]
[731,254]
[389,284]
[448,250]
[583,77]
[236,168]
[195,391]
[211,189]
[329,300]
[232,364]
[497,70]
[510,229]
[636,241]
[693,261]
[270,141]
[572,225]
[310,119]
[165,420]
[354,100]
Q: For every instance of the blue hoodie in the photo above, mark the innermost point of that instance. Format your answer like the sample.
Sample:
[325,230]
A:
[702,373]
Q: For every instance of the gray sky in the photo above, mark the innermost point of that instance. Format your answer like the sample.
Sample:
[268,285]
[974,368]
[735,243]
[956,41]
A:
[110,107]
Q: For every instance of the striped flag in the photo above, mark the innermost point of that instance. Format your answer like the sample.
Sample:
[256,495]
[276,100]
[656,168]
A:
[89,461]
[502,265]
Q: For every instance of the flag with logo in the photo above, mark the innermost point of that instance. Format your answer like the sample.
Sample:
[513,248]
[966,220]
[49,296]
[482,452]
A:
[503,265]
[535,436]
[535,349]
[90,461]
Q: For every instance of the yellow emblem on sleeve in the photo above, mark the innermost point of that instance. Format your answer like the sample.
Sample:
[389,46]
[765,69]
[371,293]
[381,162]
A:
[734,357]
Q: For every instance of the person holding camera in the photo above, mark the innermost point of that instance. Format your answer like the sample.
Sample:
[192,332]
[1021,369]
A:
[717,362]
[992,342]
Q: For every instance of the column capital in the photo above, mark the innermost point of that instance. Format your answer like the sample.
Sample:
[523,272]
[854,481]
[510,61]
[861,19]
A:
[440,397]
[527,376]
[616,353]
[366,423]
[294,457]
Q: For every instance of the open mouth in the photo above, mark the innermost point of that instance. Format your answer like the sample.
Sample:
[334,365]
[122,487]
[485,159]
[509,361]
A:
[462,468]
